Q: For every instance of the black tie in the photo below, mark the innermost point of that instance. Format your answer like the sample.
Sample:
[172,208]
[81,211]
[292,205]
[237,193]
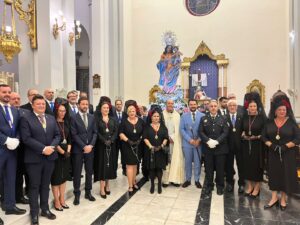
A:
[193,114]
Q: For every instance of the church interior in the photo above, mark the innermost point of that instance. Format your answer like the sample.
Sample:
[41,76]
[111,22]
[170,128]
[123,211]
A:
[115,48]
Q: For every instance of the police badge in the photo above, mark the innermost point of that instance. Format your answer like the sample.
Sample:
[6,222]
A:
[201,7]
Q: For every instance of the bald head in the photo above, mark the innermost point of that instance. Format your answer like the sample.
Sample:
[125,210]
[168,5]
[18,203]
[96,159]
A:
[49,94]
[170,105]
[15,99]
[31,93]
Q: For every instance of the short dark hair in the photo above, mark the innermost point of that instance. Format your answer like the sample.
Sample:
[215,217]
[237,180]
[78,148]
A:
[4,85]
[192,100]
[118,100]
[144,108]
[222,98]
[37,97]
[82,99]
[72,92]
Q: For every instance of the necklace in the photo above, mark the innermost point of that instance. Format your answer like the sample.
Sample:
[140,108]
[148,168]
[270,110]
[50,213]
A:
[155,128]
[250,124]
[106,124]
[133,122]
[279,125]
[62,129]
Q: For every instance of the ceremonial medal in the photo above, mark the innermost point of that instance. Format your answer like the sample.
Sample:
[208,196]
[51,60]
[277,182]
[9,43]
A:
[156,137]
[234,130]
[277,137]
[134,130]
[107,130]
[64,141]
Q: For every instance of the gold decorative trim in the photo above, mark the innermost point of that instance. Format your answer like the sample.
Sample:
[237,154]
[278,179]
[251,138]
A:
[153,93]
[203,49]
[257,86]
[29,16]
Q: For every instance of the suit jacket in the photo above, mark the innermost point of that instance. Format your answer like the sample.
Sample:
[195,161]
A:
[220,113]
[6,130]
[48,109]
[23,112]
[189,129]
[91,109]
[35,138]
[27,106]
[234,136]
[115,116]
[82,136]
[216,129]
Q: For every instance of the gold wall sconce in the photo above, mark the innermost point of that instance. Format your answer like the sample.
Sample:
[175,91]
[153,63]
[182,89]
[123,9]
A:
[10,44]
[56,27]
[72,35]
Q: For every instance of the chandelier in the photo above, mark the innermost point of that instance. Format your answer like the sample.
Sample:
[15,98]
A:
[10,44]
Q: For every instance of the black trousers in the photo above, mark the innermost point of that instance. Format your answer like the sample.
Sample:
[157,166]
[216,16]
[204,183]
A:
[21,174]
[39,182]
[218,162]
[236,153]
[77,162]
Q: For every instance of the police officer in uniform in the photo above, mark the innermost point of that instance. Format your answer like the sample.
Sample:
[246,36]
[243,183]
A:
[213,131]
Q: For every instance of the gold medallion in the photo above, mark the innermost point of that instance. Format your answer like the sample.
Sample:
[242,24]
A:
[277,137]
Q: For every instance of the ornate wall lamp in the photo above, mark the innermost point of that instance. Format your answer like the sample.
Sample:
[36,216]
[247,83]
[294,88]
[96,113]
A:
[56,27]
[10,44]
[72,35]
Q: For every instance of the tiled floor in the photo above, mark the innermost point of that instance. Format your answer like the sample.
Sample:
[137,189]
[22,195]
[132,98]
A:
[175,206]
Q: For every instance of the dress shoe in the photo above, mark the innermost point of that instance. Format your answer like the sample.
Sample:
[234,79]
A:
[282,208]
[186,184]
[48,214]
[34,220]
[89,197]
[76,200]
[198,185]
[267,206]
[152,189]
[241,189]
[65,206]
[15,211]
[23,200]
[59,209]
[220,191]
[159,190]
[165,185]
[229,188]
[175,185]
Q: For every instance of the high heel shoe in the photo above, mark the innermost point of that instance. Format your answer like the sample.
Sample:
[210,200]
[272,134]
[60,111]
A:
[267,206]
[107,192]
[102,196]
[282,208]
[65,206]
[248,194]
[130,190]
[58,209]
[136,187]
[255,196]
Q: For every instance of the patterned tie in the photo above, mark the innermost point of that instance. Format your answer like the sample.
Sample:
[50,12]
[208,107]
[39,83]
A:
[85,120]
[52,106]
[74,109]
[42,121]
[193,116]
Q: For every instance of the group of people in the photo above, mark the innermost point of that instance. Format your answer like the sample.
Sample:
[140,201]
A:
[48,141]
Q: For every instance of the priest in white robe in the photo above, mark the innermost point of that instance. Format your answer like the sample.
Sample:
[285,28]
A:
[174,173]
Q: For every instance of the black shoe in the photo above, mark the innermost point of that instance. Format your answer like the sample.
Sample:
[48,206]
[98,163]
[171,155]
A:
[48,214]
[165,185]
[255,196]
[59,209]
[267,206]
[107,192]
[65,206]
[136,187]
[34,220]
[198,185]
[3,207]
[186,184]
[76,200]
[124,172]
[248,194]
[23,200]
[175,185]
[282,208]
[159,190]
[15,211]
[152,189]
[130,191]
[241,189]
[220,191]
[90,197]
[229,188]
[1,222]
[103,196]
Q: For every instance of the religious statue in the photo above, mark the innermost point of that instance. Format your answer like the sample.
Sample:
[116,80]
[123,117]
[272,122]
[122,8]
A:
[169,64]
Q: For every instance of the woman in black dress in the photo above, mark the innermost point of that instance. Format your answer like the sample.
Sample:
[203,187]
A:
[62,163]
[281,135]
[156,138]
[105,149]
[253,152]
[131,131]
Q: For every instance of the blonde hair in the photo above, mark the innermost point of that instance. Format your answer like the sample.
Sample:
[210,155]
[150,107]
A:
[129,107]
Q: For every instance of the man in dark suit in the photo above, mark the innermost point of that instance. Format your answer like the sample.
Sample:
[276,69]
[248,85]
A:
[213,132]
[49,97]
[234,119]
[15,101]
[223,106]
[40,135]
[91,107]
[72,108]
[30,94]
[84,136]
[9,141]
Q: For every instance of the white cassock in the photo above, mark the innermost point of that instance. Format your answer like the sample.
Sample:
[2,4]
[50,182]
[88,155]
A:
[175,170]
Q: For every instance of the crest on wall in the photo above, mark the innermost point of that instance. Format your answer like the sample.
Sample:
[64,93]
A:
[201,7]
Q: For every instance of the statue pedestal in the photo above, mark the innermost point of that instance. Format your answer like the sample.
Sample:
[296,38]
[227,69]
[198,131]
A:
[177,96]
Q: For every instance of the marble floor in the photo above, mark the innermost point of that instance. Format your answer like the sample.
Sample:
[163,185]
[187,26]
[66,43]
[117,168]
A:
[175,206]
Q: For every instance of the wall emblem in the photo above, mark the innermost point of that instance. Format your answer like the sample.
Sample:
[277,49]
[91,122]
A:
[201,7]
